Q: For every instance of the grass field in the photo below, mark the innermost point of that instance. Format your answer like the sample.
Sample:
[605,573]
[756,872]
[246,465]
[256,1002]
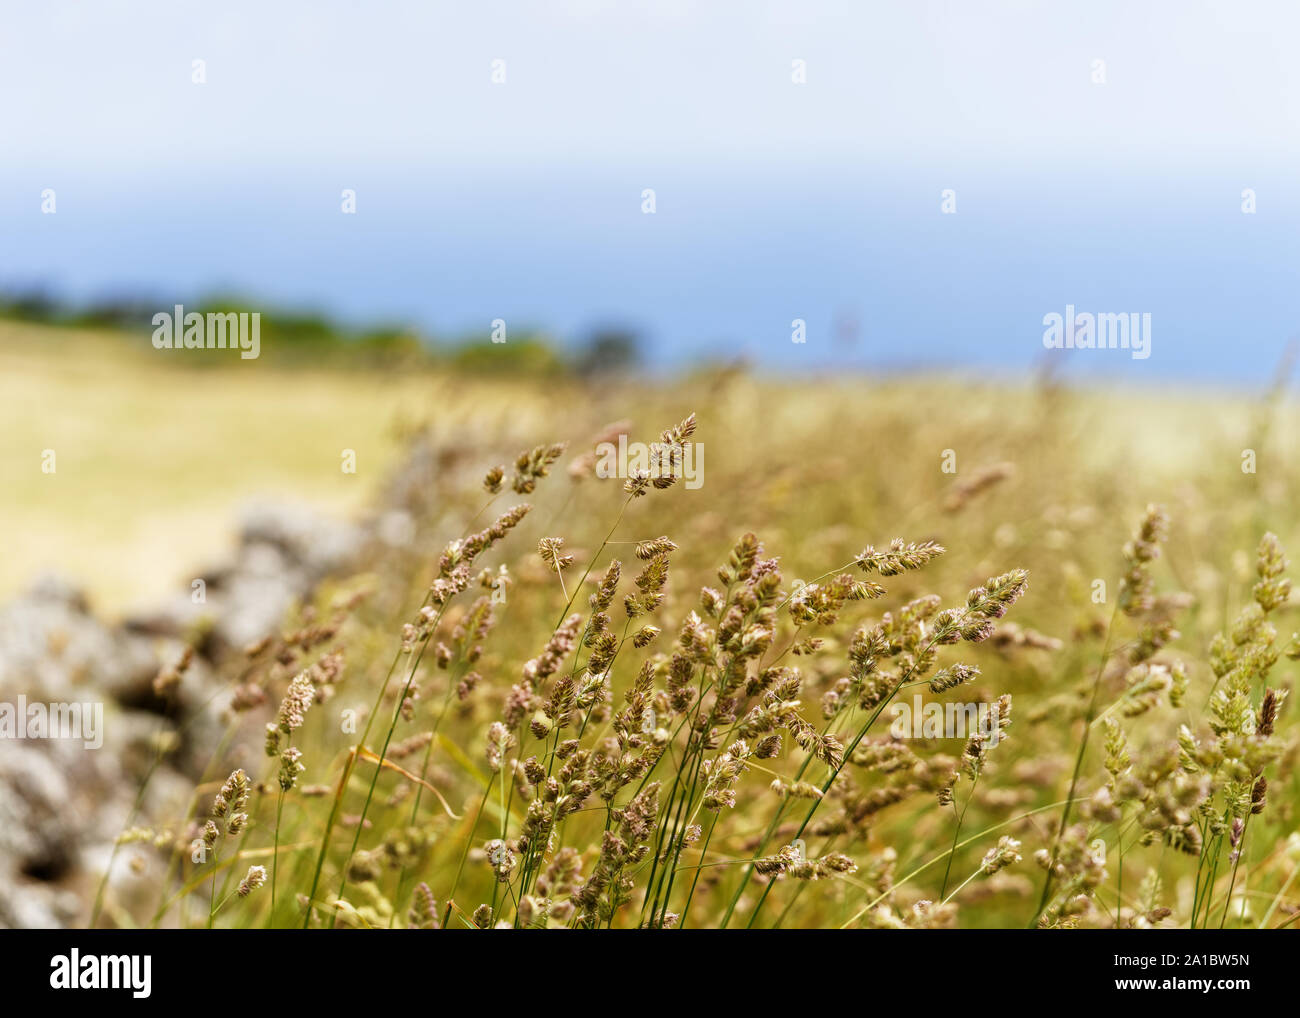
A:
[672,801]
[154,458]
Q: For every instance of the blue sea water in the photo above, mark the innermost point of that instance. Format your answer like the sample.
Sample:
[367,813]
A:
[733,254]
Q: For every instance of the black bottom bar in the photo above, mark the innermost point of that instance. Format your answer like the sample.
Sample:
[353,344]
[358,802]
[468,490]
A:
[148,968]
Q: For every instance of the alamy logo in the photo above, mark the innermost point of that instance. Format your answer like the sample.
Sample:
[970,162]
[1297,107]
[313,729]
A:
[1086,331]
[102,972]
[23,720]
[657,460]
[933,720]
[228,330]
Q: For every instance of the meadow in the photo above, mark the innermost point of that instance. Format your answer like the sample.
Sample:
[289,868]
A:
[637,703]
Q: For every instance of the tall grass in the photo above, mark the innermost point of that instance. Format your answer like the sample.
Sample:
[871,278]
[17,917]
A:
[603,714]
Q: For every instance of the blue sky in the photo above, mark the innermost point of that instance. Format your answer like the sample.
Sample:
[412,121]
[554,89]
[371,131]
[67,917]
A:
[775,200]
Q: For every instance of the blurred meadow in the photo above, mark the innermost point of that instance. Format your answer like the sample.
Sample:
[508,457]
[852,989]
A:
[154,457]
[163,449]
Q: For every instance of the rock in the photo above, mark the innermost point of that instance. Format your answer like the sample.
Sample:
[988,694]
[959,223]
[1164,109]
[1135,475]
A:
[52,649]
[38,829]
[62,804]
[308,540]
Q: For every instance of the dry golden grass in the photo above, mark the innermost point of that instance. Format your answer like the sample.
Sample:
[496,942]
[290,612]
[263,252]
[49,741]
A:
[817,469]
